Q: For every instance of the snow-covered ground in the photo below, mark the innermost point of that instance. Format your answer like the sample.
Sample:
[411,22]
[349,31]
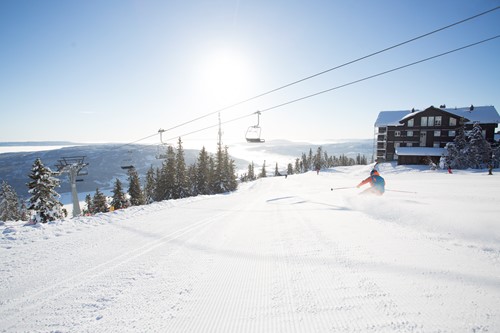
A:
[278,255]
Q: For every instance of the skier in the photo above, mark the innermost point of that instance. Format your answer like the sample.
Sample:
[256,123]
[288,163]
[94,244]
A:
[376,181]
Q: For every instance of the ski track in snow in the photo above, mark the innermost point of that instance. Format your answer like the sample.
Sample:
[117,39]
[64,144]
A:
[279,255]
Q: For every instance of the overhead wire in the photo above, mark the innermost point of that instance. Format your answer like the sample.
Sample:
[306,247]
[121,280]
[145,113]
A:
[334,68]
[327,71]
[346,84]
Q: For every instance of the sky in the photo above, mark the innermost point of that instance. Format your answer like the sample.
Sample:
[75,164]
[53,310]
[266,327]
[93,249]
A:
[277,255]
[118,71]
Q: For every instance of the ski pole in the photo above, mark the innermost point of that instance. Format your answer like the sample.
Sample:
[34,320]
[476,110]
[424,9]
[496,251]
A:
[342,188]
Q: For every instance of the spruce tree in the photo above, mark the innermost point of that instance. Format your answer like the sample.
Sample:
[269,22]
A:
[134,190]
[263,172]
[251,172]
[479,149]
[44,199]
[89,209]
[168,175]
[99,202]
[230,178]
[9,203]
[203,173]
[181,188]
[119,199]
[289,170]
[149,187]
[218,181]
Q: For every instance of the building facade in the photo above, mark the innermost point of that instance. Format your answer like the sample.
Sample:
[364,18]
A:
[420,136]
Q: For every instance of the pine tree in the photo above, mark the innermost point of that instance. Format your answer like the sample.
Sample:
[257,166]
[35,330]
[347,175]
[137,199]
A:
[119,200]
[168,175]
[263,172]
[89,208]
[44,199]
[479,149]
[150,186]
[134,190]
[289,170]
[9,203]
[230,179]
[218,181]
[203,173]
[99,202]
[191,180]
[251,172]
[181,188]
[276,171]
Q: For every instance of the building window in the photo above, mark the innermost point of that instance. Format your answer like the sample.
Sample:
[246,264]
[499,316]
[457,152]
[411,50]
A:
[436,144]
[437,121]
[410,123]
[423,121]
[430,121]
[451,133]
[453,121]
[397,133]
[409,144]
[409,133]
[437,133]
[397,144]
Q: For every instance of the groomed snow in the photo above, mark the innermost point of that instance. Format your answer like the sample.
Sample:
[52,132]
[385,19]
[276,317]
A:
[278,255]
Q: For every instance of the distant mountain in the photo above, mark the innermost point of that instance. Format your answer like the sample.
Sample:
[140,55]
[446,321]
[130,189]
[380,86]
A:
[39,143]
[105,160]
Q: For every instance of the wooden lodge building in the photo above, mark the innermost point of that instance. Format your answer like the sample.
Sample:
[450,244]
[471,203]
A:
[417,136]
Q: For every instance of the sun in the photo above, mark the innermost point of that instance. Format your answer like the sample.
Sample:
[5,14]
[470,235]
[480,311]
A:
[225,76]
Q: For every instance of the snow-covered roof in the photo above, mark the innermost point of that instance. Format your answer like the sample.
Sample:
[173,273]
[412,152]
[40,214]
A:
[421,151]
[390,118]
[480,114]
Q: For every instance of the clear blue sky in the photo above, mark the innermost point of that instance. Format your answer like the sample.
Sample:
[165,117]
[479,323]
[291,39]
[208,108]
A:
[117,71]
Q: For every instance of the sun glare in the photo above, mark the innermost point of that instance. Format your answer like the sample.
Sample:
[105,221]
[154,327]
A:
[225,77]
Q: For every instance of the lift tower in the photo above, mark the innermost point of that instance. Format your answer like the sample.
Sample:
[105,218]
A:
[74,167]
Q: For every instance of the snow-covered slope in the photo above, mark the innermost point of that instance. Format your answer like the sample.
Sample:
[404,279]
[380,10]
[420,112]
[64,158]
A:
[278,255]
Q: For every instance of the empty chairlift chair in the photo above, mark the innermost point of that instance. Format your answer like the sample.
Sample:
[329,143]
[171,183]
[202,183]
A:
[253,132]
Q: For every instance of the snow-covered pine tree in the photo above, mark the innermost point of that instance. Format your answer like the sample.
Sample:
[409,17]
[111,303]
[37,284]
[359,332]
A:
[230,178]
[149,187]
[134,189]
[9,203]
[44,199]
[99,202]
[276,170]
[217,180]
[289,170]
[119,199]
[263,172]
[203,173]
[168,175]
[479,149]
[181,189]
[318,159]
[89,209]
[191,180]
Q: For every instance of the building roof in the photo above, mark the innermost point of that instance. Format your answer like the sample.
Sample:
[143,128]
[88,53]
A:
[421,151]
[479,114]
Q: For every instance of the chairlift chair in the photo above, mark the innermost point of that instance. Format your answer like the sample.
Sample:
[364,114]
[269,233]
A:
[127,162]
[161,153]
[253,132]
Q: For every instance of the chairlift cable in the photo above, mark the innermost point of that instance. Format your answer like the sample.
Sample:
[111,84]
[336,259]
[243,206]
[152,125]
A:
[336,67]
[326,71]
[380,74]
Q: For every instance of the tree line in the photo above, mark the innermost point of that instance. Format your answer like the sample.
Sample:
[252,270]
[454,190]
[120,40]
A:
[307,162]
[210,174]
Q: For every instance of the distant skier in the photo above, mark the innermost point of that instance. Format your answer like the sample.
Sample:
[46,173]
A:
[377,183]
